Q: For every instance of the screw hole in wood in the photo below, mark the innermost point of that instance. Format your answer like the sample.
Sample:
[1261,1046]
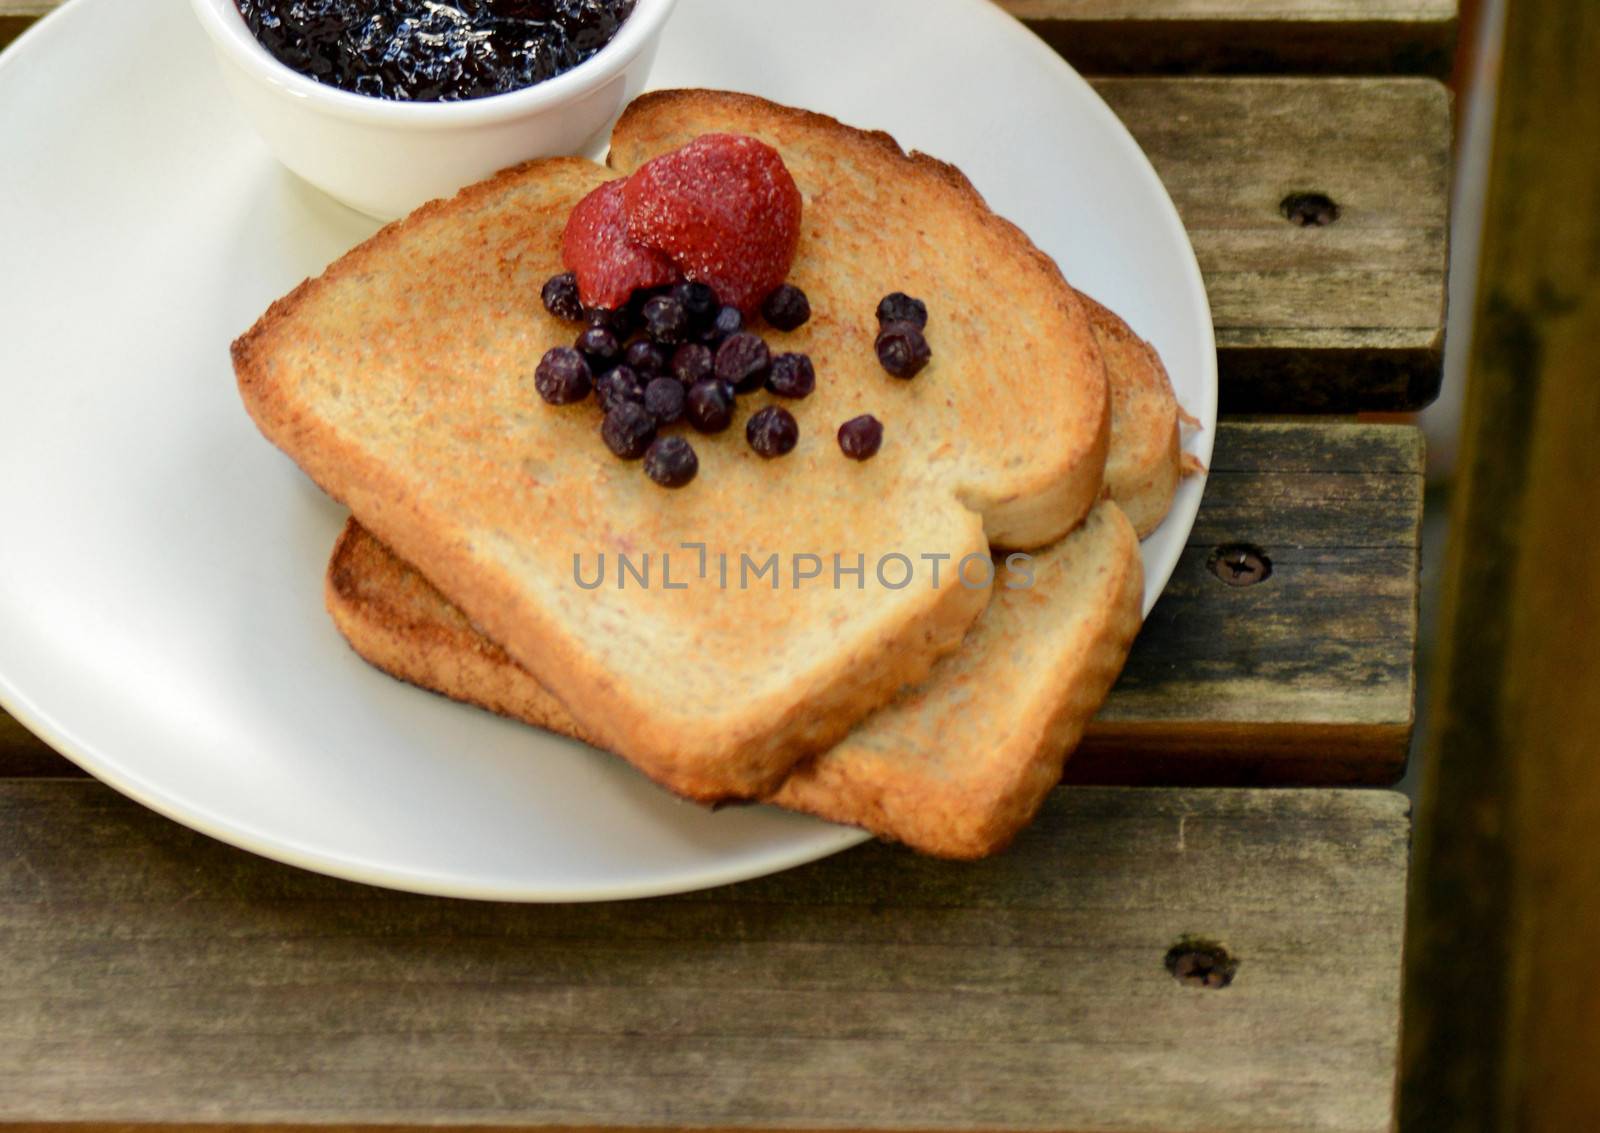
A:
[1240,564]
[1309,210]
[1197,962]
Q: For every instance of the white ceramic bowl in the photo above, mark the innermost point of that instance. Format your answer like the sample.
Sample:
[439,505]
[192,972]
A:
[385,157]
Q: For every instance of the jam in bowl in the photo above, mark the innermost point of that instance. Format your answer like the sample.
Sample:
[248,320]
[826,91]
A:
[430,51]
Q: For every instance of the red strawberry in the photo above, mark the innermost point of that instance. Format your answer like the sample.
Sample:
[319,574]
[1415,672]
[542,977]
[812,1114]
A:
[610,266]
[726,211]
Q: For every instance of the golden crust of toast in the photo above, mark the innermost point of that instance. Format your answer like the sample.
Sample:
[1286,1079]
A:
[1145,461]
[400,623]
[400,381]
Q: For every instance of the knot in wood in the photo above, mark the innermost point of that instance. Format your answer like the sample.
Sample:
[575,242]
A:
[1195,962]
[1309,210]
[1240,564]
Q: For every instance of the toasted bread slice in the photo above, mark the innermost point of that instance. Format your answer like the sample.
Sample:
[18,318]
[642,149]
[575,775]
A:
[400,381]
[1145,461]
[394,618]
[945,798]
[955,766]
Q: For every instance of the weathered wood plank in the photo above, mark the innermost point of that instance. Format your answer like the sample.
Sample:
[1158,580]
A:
[1332,37]
[153,975]
[1503,1026]
[1338,317]
[1304,678]
[1307,676]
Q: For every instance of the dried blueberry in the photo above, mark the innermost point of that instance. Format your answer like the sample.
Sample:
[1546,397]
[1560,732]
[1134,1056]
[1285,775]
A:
[728,322]
[902,349]
[621,322]
[772,431]
[692,362]
[860,437]
[743,360]
[699,301]
[636,301]
[787,308]
[600,346]
[899,307]
[560,297]
[562,376]
[792,375]
[664,398]
[646,357]
[618,385]
[709,406]
[671,462]
[628,429]
[665,320]
[628,318]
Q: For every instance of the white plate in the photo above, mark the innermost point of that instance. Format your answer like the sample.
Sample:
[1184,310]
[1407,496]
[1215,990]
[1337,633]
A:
[161,615]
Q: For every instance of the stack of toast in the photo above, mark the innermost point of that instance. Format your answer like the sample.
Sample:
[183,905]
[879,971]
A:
[935,709]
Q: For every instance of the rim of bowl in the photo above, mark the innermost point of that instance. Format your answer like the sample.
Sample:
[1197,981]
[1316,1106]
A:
[226,26]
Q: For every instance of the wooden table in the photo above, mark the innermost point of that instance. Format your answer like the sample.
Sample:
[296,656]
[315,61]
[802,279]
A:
[1169,948]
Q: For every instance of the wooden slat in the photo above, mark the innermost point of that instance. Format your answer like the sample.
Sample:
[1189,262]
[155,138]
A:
[1335,37]
[1503,1022]
[1304,678]
[152,975]
[1345,317]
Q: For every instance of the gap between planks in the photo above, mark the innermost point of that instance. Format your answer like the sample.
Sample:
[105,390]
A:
[1248,36]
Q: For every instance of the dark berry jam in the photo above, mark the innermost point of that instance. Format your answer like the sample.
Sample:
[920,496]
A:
[429,51]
